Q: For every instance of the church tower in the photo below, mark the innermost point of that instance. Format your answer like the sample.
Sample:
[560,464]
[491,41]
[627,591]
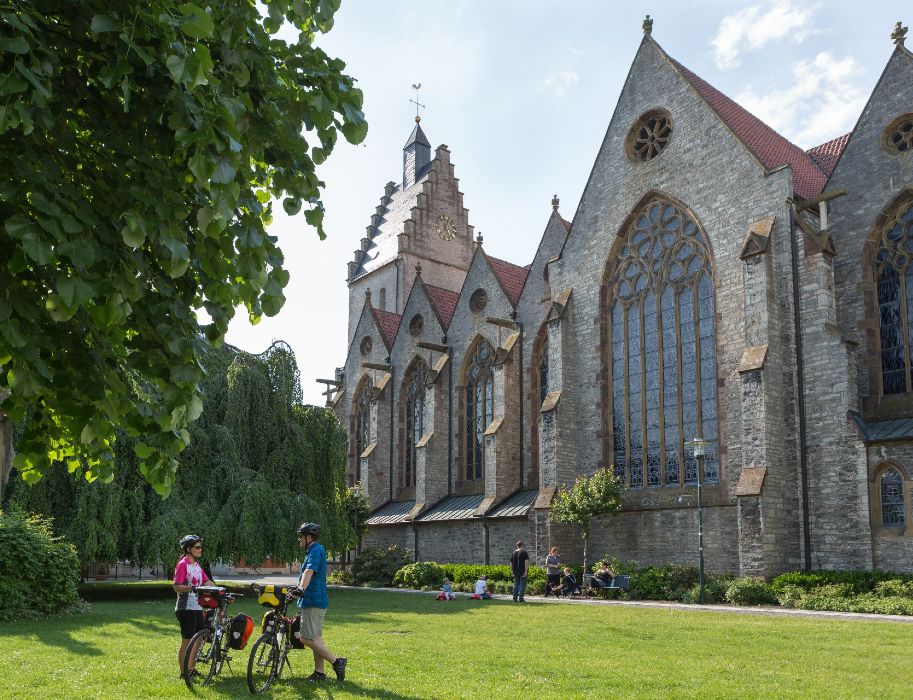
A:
[422,220]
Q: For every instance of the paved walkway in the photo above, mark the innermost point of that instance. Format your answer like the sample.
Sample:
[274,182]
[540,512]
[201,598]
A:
[783,612]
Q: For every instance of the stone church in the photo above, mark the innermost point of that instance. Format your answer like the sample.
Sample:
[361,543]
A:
[716,280]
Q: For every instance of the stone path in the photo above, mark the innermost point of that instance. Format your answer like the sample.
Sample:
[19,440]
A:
[770,611]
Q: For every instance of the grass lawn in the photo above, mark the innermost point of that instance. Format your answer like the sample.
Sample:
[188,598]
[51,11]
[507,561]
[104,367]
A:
[405,647]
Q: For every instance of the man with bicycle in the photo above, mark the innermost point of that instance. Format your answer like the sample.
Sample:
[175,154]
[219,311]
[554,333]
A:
[313,602]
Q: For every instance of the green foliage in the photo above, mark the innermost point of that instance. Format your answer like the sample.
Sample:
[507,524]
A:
[590,499]
[790,595]
[379,566]
[669,582]
[861,581]
[715,588]
[894,589]
[421,574]
[340,577]
[141,145]
[144,590]
[244,506]
[356,508]
[38,571]
[750,591]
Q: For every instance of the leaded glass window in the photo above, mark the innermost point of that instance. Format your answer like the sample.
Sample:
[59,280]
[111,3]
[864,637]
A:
[892,509]
[479,407]
[894,276]
[543,373]
[362,422]
[413,407]
[663,353]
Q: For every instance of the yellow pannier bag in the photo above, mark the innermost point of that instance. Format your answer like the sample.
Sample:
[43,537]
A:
[269,596]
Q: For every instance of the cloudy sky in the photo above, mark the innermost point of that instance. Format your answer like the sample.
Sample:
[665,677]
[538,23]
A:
[522,92]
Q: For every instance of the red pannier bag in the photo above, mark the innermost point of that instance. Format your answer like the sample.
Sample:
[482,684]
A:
[241,628]
[209,599]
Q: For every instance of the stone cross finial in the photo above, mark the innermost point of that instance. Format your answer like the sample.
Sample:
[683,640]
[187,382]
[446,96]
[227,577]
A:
[648,25]
[479,238]
[418,269]
[898,34]
[555,203]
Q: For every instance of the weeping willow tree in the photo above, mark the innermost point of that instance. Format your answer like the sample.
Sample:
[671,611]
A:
[259,463]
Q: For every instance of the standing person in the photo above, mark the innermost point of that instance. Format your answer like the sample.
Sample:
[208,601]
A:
[313,602]
[188,576]
[552,571]
[519,567]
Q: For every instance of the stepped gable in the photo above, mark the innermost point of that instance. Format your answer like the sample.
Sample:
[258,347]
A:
[388,323]
[512,277]
[443,301]
[827,154]
[380,244]
[767,145]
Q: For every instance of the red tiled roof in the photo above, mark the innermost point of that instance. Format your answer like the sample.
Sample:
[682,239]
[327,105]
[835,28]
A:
[767,145]
[443,301]
[388,323]
[827,154]
[512,277]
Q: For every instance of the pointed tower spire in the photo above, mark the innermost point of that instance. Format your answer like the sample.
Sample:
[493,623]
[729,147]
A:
[417,151]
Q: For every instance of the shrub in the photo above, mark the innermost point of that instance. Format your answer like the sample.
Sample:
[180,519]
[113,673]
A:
[750,591]
[39,573]
[144,590]
[715,588]
[894,588]
[861,581]
[421,574]
[790,596]
[340,577]
[378,566]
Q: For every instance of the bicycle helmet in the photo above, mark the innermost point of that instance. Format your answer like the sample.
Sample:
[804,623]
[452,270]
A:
[189,540]
[312,529]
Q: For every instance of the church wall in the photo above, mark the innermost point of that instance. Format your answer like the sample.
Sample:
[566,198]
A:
[709,171]
[892,548]
[454,542]
[503,536]
[873,179]
[669,536]
[382,279]
[465,326]
[386,535]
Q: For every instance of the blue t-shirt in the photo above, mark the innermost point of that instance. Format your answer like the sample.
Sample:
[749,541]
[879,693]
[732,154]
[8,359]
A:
[315,595]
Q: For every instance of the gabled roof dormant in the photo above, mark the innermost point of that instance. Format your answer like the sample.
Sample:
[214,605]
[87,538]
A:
[769,147]
[443,301]
[827,154]
[388,324]
[511,277]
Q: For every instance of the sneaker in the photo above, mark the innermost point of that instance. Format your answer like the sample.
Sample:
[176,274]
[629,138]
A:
[340,667]
[316,677]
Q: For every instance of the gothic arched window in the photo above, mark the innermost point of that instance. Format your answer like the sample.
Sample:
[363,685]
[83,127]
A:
[892,507]
[662,353]
[479,407]
[894,276]
[413,407]
[543,373]
[361,425]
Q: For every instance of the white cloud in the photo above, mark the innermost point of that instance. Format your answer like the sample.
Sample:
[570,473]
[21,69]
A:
[559,82]
[823,101]
[750,29]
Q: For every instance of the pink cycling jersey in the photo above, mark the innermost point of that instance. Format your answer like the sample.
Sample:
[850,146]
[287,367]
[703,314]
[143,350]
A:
[188,573]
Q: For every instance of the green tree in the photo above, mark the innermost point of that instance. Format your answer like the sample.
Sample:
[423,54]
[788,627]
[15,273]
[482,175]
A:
[590,499]
[258,464]
[142,145]
[356,508]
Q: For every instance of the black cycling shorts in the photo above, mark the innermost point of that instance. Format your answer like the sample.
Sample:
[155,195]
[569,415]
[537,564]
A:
[191,622]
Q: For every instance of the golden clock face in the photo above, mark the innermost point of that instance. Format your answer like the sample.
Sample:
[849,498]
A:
[445,228]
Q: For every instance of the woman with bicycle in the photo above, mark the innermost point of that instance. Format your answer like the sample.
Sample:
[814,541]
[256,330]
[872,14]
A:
[188,577]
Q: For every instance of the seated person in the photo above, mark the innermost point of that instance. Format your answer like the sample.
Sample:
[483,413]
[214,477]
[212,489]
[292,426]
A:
[603,577]
[569,585]
[446,591]
[482,592]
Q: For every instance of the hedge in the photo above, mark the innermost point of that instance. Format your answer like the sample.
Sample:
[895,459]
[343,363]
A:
[39,572]
[145,590]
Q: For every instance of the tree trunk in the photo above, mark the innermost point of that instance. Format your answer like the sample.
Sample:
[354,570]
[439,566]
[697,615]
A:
[586,538]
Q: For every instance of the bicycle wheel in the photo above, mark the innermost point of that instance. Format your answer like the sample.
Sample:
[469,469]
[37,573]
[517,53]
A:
[205,657]
[263,663]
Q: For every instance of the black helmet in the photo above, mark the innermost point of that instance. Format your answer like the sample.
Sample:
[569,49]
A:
[312,529]
[188,540]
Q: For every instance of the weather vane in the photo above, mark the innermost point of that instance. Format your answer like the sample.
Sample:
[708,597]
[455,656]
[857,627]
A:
[417,87]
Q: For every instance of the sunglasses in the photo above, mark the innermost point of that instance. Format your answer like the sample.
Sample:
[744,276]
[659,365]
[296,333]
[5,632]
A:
[197,546]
